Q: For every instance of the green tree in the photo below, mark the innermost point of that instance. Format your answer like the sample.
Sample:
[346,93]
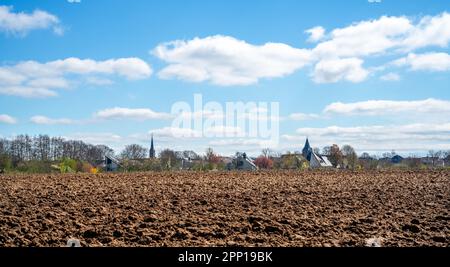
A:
[5,163]
[68,165]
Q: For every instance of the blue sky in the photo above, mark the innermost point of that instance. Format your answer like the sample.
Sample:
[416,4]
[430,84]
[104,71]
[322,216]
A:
[372,75]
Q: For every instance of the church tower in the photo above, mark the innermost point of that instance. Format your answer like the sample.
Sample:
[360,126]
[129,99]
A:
[152,149]
[307,150]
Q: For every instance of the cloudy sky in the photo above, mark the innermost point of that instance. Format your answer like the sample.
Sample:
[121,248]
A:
[372,74]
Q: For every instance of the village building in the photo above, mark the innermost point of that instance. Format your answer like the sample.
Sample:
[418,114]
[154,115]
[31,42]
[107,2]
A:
[315,160]
[397,159]
[111,163]
[242,163]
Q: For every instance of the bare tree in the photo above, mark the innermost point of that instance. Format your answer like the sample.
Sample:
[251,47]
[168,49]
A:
[335,156]
[435,156]
[210,156]
[326,151]
[133,151]
[168,158]
[266,152]
[349,153]
[24,148]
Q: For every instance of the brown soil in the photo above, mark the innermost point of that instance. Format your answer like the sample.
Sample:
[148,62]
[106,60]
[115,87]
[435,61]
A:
[324,208]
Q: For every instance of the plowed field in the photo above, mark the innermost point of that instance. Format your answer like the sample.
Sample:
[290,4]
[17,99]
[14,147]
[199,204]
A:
[320,208]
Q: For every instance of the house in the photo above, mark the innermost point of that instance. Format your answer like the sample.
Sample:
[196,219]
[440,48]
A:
[242,162]
[319,161]
[111,163]
[397,159]
[315,160]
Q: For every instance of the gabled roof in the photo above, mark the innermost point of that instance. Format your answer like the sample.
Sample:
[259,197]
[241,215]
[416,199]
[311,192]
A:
[113,159]
[323,160]
[251,163]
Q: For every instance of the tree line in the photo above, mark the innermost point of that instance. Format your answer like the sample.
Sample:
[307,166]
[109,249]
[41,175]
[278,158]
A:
[37,154]
[26,150]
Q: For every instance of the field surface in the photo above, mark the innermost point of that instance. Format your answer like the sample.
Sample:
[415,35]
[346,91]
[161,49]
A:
[323,208]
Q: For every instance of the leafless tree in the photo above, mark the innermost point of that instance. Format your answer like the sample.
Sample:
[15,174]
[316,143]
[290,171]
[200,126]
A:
[133,151]
[266,152]
[326,151]
[168,158]
[435,155]
[349,153]
[43,148]
[336,157]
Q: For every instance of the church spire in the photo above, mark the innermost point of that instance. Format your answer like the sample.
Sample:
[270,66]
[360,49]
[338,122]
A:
[307,149]
[152,149]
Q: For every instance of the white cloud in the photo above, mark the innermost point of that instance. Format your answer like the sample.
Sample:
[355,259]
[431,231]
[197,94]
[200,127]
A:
[303,116]
[56,82]
[130,68]
[96,138]
[34,79]
[8,77]
[128,113]
[390,77]
[244,143]
[26,91]
[427,61]
[21,23]
[204,114]
[226,61]
[339,55]
[430,31]
[409,137]
[48,121]
[7,119]
[380,107]
[316,34]
[98,81]
[334,70]
[378,36]
[221,130]
[383,130]
[175,132]
[365,38]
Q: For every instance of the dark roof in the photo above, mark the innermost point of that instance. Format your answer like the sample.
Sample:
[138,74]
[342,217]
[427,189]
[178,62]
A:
[113,159]
[306,152]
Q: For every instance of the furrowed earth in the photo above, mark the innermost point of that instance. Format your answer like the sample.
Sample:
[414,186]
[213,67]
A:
[312,208]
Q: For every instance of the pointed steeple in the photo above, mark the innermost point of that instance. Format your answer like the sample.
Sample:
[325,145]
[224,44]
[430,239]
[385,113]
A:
[306,149]
[152,149]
